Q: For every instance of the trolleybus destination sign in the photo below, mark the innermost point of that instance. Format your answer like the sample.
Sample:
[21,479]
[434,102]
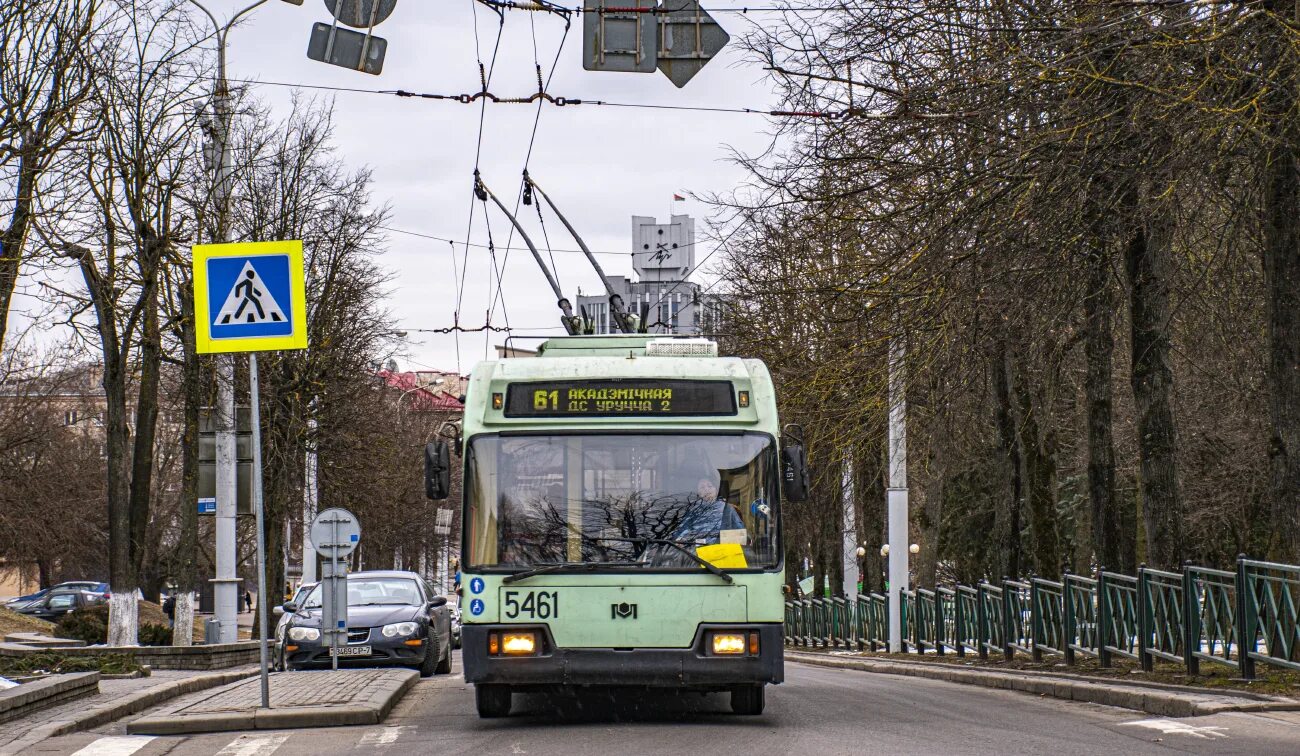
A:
[615,398]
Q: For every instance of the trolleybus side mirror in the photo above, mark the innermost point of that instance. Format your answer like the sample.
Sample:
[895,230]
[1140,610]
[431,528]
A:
[794,472]
[437,470]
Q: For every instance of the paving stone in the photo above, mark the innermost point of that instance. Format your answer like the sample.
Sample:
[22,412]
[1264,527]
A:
[1182,702]
[298,699]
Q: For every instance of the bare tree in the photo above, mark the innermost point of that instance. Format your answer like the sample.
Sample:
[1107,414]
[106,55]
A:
[44,85]
[146,85]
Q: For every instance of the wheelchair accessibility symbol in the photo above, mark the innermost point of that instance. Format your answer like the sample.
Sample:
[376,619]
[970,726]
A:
[476,607]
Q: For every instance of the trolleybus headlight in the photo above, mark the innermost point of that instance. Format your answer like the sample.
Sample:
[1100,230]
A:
[518,644]
[728,643]
[304,633]
[399,628]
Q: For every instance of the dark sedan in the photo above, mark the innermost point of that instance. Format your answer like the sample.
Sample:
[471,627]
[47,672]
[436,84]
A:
[89,586]
[394,618]
[57,603]
[282,624]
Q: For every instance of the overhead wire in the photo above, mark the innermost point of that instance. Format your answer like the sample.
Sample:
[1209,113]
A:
[540,97]
[453,242]
[482,95]
[485,79]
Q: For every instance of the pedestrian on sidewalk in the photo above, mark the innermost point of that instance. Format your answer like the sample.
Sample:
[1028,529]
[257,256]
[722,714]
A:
[248,601]
[169,609]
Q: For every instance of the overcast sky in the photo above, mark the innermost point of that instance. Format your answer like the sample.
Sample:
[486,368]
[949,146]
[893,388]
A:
[600,164]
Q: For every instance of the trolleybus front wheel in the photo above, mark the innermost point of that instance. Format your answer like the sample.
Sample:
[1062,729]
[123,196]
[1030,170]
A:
[493,700]
[747,699]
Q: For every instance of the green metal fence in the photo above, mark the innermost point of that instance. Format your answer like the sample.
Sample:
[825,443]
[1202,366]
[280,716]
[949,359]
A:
[1237,618]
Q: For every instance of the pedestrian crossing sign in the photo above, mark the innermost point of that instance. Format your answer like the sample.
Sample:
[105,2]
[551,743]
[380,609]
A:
[249,297]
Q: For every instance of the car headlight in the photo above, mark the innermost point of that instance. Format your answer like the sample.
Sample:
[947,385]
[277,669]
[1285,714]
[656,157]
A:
[398,629]
[304,634]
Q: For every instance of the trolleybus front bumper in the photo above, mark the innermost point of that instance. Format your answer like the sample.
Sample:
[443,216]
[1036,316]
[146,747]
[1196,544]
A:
[692,667]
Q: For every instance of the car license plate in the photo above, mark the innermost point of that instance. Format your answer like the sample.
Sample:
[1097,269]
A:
[351,651]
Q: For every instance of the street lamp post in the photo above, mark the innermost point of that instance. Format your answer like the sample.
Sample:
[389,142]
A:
[226,582]
[897,495]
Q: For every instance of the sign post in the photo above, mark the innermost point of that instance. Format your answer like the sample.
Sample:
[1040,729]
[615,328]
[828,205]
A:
[251,297]
[335,533]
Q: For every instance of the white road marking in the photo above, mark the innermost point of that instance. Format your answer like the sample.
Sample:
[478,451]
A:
[382,736]
[1178,727]
[254,745]
[117,745]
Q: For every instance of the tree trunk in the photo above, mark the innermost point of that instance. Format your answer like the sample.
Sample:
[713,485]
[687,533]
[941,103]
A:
[121,570]
[1148,262]
[1099,348]
[123,580]
[1039,477]
[1011,450]
[14,238]
[146,409]
[187,578]
[1281,265]
[871,482]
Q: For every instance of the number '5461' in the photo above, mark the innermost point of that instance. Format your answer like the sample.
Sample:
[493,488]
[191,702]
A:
[532,604]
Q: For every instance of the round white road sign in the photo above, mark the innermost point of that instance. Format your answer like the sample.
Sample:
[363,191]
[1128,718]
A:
[335,532]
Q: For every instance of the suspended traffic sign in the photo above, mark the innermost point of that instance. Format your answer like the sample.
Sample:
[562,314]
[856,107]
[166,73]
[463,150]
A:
[249,297]
[620,37]
[361,14]
[688,38]
[330,43]
[638,36]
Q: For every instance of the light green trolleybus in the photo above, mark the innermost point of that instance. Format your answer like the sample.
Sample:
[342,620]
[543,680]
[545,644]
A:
[622,520]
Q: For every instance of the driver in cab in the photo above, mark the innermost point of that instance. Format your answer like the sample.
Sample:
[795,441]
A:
[707,514]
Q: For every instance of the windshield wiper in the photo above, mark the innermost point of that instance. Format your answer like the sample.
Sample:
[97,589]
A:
[706,564]
[563,566]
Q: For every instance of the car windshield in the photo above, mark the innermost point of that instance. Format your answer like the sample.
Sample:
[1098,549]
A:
[541,500]
[373,591]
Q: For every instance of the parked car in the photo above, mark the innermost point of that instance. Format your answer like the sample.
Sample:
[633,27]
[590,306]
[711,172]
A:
[282,626]
[89,586]
[394,618]
[57,603]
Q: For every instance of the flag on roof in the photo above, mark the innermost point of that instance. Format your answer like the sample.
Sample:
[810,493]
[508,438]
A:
[678,198]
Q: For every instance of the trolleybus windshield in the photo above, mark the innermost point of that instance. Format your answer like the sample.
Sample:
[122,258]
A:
[536,500]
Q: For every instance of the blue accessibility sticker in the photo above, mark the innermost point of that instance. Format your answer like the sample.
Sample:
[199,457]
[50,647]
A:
[476,585]
[476,607]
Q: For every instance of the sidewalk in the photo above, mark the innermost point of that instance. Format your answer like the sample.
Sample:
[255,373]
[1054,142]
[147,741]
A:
[1152,698]
[298,699]
[116,698]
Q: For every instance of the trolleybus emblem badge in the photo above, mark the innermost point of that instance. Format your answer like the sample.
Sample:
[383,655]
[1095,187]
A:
[622,611]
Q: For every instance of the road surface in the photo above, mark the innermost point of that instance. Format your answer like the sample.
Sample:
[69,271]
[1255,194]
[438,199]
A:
[817,711]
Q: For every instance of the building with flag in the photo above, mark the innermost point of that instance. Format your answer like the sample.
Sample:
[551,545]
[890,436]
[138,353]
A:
[663,260]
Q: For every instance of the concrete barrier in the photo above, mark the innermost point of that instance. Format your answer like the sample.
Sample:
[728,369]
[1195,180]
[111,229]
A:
[41,694]
[215,656]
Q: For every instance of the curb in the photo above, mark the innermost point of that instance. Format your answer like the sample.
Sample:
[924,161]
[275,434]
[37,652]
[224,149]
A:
[39,695]
[369,712]
[126,705]
[1161,702]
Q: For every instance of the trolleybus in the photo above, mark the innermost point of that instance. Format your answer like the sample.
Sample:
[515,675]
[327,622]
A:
[622,520]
